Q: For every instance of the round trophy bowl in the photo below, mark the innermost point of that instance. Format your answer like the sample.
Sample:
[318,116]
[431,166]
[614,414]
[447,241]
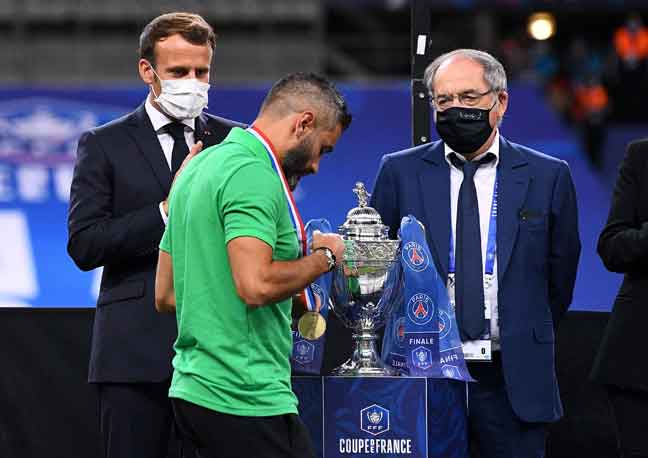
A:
[365,286]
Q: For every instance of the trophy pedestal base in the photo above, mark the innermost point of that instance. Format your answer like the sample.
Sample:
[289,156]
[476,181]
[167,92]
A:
[356,369]
[398,416]
[364,361]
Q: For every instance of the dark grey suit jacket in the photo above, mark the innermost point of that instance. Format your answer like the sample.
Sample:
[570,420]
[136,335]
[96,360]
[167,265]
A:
[623,247]
[114,221]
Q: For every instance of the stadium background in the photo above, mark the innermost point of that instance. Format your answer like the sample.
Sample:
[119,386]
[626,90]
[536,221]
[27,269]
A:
[71,65]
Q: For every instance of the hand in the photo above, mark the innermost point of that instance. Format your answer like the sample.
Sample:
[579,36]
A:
[329,240]
[197,148]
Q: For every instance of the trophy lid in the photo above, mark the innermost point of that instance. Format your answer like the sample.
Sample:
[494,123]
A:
[363,222]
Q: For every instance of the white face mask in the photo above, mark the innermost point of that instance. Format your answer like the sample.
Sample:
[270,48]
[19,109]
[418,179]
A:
[182,98]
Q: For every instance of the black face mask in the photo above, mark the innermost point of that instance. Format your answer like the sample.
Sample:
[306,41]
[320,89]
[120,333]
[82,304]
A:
[464,130]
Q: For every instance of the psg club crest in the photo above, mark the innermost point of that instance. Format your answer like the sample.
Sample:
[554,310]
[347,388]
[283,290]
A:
[415,257]
[374,419]
[420,309]
[399,332]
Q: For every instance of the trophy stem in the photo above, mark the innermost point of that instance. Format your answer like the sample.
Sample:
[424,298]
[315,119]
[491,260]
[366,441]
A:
[365,360]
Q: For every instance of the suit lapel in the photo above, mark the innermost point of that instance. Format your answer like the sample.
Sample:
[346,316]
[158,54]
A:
[204,133]
[434,182]
[141,129]
[513,176]
[210,133]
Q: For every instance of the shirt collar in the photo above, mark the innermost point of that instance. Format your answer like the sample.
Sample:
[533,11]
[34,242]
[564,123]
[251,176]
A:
[248,140]
[160,120]
[494,149]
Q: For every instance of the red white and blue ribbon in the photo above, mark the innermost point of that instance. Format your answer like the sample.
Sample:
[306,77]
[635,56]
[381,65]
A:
[292,207]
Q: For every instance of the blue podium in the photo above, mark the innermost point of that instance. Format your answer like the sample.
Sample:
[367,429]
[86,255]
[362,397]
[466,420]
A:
[384,416]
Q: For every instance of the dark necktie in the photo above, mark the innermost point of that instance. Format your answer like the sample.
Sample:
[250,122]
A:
[469,281]
[180,148]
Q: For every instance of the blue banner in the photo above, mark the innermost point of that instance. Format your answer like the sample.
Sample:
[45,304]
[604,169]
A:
[422,337]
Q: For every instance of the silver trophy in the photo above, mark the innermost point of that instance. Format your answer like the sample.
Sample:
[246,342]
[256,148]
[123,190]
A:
[367,285]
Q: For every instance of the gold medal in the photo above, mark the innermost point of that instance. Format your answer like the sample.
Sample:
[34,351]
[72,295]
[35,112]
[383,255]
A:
[311,325]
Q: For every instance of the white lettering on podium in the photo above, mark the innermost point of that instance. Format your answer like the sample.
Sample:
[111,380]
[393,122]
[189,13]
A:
[374,446]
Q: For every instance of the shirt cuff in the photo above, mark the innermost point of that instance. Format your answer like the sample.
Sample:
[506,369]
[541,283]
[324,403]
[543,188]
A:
[165,218]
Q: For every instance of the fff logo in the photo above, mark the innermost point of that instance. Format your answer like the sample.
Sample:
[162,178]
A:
[303,352]
[374,419]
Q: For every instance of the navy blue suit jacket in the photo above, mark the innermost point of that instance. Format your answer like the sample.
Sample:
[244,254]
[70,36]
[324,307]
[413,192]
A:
[120,177]
[537,253]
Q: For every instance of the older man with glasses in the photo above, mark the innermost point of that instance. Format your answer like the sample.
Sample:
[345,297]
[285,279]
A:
[501,223]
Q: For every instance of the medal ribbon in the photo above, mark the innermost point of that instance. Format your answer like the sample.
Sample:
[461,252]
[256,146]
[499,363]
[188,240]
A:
[295,218]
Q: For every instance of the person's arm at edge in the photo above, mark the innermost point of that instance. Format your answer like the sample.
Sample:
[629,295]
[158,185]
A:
[623,243]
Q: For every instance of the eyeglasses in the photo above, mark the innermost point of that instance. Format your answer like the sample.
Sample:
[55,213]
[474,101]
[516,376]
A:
[468,98]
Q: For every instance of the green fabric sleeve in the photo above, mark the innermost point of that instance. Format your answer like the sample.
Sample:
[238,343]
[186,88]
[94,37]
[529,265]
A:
[250,203]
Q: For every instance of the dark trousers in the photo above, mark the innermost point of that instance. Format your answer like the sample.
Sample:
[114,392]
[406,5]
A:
[137,421]
[630,413]
[494,429]
[218,435]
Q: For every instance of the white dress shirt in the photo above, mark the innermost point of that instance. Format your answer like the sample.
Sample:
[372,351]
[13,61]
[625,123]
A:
[484,183]
[160,121]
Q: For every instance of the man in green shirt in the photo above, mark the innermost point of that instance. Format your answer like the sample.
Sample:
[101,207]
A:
[230,261]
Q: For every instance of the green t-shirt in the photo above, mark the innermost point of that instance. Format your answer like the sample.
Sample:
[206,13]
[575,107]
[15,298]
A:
[229,357]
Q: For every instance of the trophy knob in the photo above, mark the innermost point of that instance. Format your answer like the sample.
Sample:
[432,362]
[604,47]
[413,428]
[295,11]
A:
[361,192]
[363,222]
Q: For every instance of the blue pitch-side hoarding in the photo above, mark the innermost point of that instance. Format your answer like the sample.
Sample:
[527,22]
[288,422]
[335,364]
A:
[39,129]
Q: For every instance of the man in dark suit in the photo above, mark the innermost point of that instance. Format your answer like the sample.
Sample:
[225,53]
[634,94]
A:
[621,364]
[501,224]
[118,211]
